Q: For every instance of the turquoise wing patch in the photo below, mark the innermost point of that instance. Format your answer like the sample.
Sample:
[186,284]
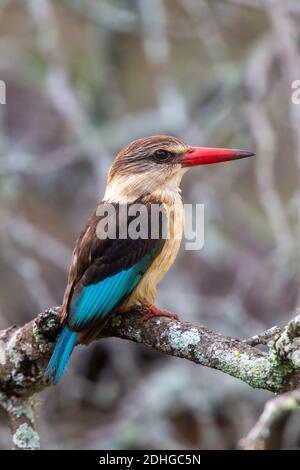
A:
[96,301]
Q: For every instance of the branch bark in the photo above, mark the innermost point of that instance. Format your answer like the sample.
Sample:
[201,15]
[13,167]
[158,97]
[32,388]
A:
[25,351]
[21,414]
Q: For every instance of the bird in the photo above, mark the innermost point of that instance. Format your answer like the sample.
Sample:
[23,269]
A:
[110,273]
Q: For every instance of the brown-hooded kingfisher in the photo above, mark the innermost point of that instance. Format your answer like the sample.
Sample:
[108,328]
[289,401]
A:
[114,273]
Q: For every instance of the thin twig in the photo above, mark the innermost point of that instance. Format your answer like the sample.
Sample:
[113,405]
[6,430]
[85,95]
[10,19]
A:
[265,337]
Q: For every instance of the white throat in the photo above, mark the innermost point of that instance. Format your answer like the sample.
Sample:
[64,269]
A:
[132,187]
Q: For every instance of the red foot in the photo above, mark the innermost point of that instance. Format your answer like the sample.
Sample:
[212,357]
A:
[156,312]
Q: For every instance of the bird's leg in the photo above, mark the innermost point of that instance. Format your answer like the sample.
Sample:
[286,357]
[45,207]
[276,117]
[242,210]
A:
[156,312]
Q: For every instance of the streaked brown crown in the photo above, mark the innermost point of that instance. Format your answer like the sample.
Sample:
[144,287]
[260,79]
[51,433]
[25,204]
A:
[141,154]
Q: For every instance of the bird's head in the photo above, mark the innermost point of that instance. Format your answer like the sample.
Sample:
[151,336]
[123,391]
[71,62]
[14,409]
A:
[157,163]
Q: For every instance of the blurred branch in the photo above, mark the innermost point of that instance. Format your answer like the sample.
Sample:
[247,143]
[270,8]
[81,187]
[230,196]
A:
[292,7]
[208,32]
[105,15]
[286,34]
[265,139]
[59,87]
[26,234]
[274,410]
[269,196]
[156,46]
[28,164]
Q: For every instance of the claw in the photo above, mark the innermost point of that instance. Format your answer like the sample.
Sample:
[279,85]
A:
[156,312]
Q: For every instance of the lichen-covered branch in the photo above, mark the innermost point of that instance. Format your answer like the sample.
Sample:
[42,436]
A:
[288,344]
[21,414]
[25,351]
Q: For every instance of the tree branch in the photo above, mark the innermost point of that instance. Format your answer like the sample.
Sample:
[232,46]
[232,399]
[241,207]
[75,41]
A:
[25,351]
[21,414]
[274,410]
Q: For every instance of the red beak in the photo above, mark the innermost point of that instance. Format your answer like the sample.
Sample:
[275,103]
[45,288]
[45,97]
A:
[206,156]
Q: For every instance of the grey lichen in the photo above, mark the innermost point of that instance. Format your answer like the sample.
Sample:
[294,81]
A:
[289,340]
[12,354]
[135,335]
[182,340]
[296,358]
[19,409]
[2,353]
[44,345]
[26,437]
[265,372]
[12,351]
[24,410]
[255,373]
[18,377]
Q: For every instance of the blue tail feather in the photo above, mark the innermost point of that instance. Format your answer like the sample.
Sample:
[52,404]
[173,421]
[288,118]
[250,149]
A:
[61,354]
[94,303]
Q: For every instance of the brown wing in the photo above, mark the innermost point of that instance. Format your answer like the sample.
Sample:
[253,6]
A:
[96,258]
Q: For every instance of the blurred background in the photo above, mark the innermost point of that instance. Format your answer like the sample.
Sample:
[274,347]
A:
[83,78]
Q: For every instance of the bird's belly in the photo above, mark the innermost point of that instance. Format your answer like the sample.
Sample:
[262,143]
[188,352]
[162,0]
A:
[146,290]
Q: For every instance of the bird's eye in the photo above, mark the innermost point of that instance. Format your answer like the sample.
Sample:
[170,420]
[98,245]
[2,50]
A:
[162,156]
